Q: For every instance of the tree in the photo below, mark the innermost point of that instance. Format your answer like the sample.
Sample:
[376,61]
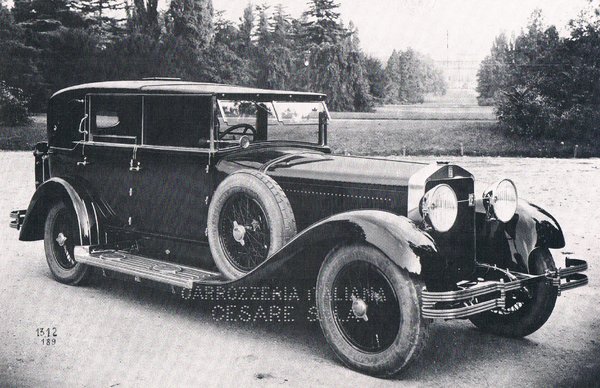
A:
[42,21]
[333,64]
[224,64]
[101,17]
[45,15]
[276,62]
[410,76]
[144,18]
[493,72]
[551,90]
[264,48]
[13,105]
[246,29]
[322,25]
[191,20]
[17,66]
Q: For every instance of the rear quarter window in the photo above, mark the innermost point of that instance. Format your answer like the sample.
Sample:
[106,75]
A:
[116,119]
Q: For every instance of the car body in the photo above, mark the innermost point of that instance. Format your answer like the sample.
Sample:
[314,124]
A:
[140,176]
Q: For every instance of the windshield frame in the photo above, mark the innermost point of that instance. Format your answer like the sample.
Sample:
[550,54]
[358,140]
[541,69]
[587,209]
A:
[321,141]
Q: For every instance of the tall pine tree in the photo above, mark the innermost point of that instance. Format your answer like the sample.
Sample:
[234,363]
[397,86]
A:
[192,21]
[144,18]
[333,64]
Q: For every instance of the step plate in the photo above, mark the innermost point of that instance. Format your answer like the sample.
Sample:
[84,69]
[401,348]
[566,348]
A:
[146,268]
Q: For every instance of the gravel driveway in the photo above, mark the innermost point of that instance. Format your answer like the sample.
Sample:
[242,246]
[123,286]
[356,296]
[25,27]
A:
[114,333]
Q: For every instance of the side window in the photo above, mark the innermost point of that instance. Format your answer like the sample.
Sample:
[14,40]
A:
[180,121]
[116,119]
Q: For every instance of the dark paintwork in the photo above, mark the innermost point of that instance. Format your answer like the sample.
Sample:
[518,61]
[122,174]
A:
[396,236]
[93,214]
[510,245]
[319,184]
[164,202]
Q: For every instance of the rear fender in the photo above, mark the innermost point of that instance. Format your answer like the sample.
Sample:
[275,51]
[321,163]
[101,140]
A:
[396,236]
[92,214]
[510,245]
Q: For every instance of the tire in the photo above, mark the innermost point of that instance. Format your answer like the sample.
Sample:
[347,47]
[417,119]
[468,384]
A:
[249,218]
[528,313]
[393,310]
[62,221]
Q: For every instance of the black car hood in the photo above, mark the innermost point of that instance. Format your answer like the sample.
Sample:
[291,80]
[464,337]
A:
[283,163]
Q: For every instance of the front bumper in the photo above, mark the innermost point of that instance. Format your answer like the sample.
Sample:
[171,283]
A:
[465,302]
[16,218]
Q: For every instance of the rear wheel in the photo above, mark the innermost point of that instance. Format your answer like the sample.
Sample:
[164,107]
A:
[60,236]
[526,310]
[369,310]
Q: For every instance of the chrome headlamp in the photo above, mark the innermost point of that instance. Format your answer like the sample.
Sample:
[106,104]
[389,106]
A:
[439,207]
[500,200]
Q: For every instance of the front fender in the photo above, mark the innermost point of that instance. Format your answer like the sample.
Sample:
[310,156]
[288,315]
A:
[510,245]
[396,236]
[92,214]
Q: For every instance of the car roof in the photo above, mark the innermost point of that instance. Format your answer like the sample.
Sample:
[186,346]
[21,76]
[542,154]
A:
[176,86]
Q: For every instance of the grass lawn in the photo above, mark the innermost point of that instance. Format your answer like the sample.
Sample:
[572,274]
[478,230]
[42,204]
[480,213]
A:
[23,137]
[442,137]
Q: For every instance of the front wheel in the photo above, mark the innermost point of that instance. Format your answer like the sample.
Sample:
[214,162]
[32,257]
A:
[526,310]
[369,310]
[60,236]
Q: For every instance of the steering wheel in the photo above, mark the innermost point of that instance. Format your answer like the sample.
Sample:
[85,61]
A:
[247,127]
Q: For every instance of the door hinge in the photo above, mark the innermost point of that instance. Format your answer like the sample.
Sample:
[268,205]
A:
[134,165]
[131,191]
[207,166]
[129,221]
[206,232]
[206,200]
[84,162]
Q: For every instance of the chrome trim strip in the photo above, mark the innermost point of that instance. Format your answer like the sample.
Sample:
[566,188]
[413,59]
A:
[97,223]
[150,147]
[87,223]
[326,110]
[157,94]
[571,276]
[143,125]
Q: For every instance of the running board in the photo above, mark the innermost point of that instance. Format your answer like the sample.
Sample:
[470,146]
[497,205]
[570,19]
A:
[146,268]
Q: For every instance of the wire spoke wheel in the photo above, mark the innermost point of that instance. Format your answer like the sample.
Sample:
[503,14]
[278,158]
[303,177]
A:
[366,307]
[249,219]
[63,231]
[244,232]
[369,310]
[61,234]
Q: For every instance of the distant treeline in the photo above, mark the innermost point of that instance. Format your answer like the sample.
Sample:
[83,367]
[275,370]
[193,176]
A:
[544,85]
[50,44]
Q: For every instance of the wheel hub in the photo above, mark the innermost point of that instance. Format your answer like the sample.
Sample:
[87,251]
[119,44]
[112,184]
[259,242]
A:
[61,239]
[239,232]
[359,308]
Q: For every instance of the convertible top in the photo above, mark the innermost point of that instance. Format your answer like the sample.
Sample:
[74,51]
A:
[176,86]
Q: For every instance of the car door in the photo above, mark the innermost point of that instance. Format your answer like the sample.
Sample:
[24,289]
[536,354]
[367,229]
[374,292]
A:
[173,184]
[114,132]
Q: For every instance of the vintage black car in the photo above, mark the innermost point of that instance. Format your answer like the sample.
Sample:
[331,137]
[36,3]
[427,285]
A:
[138,177]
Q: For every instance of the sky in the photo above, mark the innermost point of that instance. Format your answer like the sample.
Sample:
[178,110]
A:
[442,29]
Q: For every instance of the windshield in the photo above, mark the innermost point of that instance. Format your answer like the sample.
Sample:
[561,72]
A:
[266,121]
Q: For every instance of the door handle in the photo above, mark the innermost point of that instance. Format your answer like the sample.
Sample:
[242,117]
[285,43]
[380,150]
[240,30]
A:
[84,162]
[81,129]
